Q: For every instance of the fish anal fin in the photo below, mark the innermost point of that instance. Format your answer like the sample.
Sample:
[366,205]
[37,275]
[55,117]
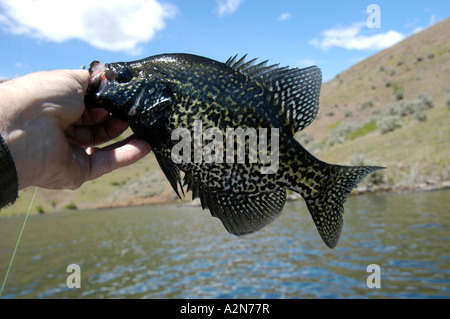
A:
[241,213]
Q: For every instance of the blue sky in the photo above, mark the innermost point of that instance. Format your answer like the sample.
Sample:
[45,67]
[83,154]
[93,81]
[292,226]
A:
[52,34]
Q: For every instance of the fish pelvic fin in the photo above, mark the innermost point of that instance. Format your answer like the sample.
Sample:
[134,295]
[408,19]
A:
[327,207]
[172,173]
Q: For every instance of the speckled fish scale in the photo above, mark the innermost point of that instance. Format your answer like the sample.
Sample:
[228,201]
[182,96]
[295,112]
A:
[166,92]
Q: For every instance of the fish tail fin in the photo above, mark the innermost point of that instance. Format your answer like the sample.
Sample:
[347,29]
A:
[326,206]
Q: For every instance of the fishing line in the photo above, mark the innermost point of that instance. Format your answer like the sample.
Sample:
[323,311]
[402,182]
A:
[18,241]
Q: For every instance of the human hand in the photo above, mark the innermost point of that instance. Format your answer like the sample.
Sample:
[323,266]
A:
[50,134]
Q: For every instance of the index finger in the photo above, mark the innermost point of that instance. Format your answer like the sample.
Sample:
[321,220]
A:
[85,136]
[106,160]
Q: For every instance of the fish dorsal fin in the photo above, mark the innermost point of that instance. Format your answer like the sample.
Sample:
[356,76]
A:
[296,91]
[260,72]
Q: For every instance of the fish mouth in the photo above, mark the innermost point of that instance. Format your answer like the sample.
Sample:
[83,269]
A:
[100,81]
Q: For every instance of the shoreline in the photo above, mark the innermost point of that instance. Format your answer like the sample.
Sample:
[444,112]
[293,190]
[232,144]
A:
[400,188]
[167,197]
[363,190]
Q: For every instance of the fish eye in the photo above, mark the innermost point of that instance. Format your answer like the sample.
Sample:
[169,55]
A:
[124,75]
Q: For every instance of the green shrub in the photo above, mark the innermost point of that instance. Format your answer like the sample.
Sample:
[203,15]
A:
[366,128]
[357,160]
[366,104]
[399,94]
[71,206]
[389,123]
[375,178]
[394,108]
[410,107]
[339,133]
[305,138]
[347,130]
[420,114]
[396,87]
[376,112]
[405,108]
[426,100]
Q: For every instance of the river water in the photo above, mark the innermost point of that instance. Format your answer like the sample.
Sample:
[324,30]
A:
[175,251]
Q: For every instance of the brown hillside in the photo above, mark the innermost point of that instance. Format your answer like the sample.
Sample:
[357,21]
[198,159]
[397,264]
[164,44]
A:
[420,63]
[416,153]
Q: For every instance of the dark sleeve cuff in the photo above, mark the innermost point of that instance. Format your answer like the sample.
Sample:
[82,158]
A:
[9,183]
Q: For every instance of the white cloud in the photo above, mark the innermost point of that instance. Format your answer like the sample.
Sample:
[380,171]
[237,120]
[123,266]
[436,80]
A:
[115,25]
[351,38]
[284,16]
[226,7]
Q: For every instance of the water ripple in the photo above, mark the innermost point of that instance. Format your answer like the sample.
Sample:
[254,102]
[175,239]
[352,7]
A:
[177,252]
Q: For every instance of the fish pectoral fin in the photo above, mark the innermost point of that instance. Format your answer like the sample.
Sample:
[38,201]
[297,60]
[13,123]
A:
[240,213]
[171,171]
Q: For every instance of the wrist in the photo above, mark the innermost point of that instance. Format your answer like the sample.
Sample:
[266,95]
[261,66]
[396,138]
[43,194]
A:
[11,112]
[9,184]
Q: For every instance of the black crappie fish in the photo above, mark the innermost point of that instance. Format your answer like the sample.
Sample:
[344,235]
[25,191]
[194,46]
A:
[163,93]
